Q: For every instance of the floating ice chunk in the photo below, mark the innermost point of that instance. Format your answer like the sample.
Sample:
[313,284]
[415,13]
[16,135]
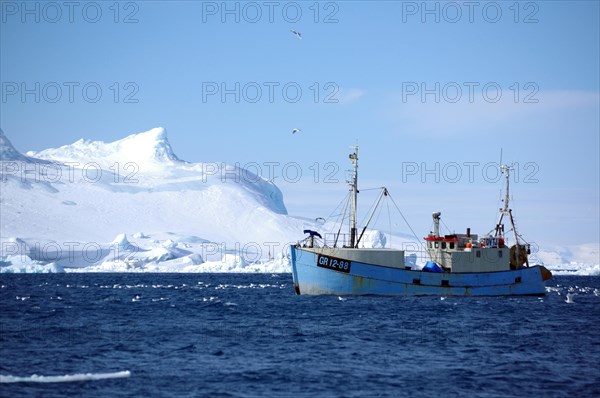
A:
[232,261]
[24,264]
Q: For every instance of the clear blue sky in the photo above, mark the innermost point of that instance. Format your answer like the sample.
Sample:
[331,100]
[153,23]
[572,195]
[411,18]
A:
[362,68]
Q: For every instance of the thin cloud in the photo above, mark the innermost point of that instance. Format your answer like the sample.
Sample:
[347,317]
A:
[350,95]
[445,118]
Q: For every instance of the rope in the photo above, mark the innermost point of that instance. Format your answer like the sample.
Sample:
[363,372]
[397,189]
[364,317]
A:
[387,204]
[372,189]
[404,218]
[445,226]
[363,222]
[338,206]
[337,236]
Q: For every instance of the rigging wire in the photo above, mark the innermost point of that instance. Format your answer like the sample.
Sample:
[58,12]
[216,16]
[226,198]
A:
[387,204]
[445,226]
[378,214]
[372,189]
[372,208]
[336,208]
[372,211]
[342,220]
[406,221]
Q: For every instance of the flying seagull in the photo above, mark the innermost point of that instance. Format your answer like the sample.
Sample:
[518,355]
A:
[298,34]
[294,131]
[569,299]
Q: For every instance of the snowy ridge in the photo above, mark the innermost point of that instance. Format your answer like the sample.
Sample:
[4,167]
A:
[8,151]
[149,150]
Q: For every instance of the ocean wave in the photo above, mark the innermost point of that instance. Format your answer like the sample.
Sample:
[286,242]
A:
[64,378]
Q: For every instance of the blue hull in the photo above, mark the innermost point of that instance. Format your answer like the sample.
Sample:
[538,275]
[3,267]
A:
[360,279]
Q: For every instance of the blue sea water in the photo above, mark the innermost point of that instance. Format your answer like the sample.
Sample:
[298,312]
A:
[235,335]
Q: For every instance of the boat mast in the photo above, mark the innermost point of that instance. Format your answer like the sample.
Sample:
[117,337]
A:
[353,195]
[507,211]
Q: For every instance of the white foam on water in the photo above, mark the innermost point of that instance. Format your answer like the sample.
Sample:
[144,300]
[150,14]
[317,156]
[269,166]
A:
[569,292]
[64,378]
[250,286]
[160,299]
[205,299]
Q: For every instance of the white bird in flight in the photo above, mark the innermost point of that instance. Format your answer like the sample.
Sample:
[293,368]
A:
[569,299]
[294,131]
[298,34]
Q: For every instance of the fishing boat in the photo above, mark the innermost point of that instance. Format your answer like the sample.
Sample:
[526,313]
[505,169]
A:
[459,264]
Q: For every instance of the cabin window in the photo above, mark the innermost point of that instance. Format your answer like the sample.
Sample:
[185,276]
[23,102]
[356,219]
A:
[445,282]
[478,253]
[416,281]
[443,245]
[518,279]
[430,246]
[500,253]
[451,245]
[437,245]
